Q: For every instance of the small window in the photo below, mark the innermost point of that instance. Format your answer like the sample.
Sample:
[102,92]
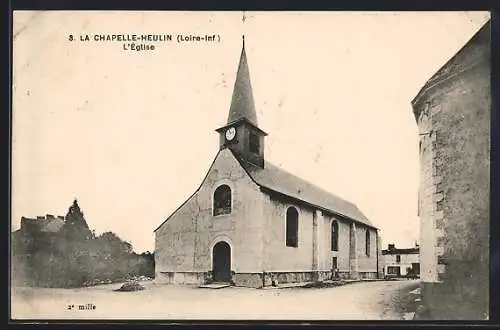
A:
[222,200]
[394,270]
[335,236]
[367,242]
[398,259]
[254,143]
[292,227]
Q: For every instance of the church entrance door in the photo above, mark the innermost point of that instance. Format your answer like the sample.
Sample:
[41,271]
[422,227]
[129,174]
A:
[221,263]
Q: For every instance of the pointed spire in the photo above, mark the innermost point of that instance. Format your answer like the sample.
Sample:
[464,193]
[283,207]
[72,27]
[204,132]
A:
[242,104]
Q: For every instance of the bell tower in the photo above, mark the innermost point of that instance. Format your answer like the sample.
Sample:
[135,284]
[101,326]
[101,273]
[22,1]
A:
[241,133]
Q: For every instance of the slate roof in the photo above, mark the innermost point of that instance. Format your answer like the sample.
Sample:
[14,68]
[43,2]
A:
[401,251]
[278,180]
[242,103]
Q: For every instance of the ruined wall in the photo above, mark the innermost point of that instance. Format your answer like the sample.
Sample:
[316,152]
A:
[453,115]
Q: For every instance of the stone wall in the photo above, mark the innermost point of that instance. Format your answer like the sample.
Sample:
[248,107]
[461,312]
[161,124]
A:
[366,263]
[277,256]
[343,252]
[453,116]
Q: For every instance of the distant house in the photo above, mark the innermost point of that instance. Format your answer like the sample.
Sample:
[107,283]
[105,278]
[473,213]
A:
[401,262]
[48,224]
[73,222]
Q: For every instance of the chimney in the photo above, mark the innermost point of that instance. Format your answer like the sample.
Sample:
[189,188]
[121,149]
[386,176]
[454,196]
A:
[391,246]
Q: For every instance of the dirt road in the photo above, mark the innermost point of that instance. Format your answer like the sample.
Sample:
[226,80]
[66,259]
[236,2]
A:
[356,301]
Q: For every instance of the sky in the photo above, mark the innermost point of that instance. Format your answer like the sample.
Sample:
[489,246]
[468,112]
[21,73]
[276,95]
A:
[130,134]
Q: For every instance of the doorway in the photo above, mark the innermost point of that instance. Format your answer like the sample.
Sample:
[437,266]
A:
[221,263]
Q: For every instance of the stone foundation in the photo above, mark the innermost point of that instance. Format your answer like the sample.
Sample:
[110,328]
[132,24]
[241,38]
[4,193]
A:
[251,280]
[367,275]
[182,277]
[255,280]
[296,277]
[344,275]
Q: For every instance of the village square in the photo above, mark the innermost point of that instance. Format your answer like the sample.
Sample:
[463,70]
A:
[255,241]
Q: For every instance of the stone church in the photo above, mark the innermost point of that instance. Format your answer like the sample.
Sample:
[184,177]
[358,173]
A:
[251,223]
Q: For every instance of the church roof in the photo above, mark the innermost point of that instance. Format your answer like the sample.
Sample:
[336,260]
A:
[242,103]
[278,180]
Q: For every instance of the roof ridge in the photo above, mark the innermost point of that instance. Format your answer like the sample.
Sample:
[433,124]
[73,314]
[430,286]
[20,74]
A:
[345,208]
[311,184]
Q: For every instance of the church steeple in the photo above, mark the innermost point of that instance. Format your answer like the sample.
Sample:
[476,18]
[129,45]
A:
[241,133]
[242,104]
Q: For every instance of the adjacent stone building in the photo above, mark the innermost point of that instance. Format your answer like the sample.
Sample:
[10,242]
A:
[251,222]
[452,111]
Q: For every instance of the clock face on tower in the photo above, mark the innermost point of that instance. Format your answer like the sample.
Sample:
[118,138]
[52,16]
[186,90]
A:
[230,133]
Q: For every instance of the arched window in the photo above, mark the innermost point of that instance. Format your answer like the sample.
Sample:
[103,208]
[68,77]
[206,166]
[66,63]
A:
[335,236]
[222,200]
[367,242]
[292,227]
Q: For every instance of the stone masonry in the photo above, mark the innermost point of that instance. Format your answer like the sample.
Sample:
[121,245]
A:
[453,115]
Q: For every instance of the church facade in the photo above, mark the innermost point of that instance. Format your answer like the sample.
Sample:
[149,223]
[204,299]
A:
[253,224]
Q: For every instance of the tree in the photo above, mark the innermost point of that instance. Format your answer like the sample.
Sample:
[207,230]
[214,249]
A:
[75,227]
[114,244]
[74,256]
